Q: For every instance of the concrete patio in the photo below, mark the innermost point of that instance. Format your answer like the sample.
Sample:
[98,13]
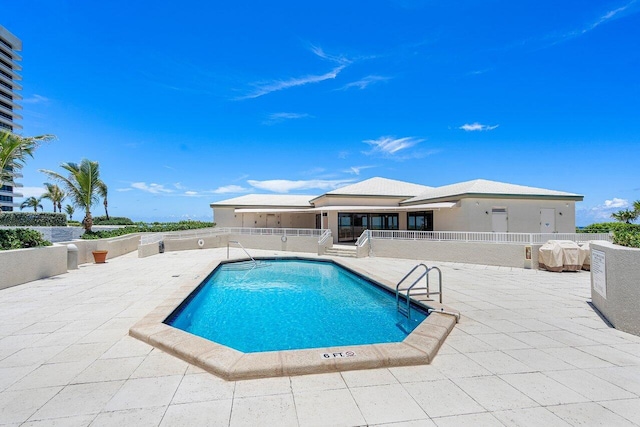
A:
[528,351]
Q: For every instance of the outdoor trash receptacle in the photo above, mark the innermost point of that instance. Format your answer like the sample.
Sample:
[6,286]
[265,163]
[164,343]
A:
[72,257]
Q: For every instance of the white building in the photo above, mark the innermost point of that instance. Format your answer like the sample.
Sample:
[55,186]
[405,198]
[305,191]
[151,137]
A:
[9,46]
[386,204]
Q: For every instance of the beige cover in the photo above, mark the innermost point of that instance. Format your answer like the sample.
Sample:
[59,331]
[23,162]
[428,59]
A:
[586,250]
[550,256]
[561,255]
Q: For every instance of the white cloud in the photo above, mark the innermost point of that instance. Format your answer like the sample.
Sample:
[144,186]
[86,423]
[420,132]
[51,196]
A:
[285,185]
[190,193]
[35,99]
[280,117]
[355,170]
[278,85]
[616,203]
[603,211]
[365,81]
[474,127]
[151,188]
[607,16]
[230,189]
[390,145]
[122,190]
[30,191]
[340,59]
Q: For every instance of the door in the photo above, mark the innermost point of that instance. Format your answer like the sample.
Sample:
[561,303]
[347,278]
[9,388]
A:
[499,221]
[271,221]
[547,220]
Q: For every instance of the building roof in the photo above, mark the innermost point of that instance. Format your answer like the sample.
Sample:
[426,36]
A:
[483,187]
[279,200]
[379,187]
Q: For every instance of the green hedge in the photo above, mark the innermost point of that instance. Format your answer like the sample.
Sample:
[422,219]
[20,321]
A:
[33,219]
[627,238]
[113,220]
[20,238]
[605,227]
[156,227]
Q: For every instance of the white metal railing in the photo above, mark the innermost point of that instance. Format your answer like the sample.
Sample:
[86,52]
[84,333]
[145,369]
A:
[149,238]
[324,237]
[363,239]
[484,237]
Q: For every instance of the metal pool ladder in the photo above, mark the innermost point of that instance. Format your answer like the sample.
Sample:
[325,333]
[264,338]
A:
[406,310]
[245,251]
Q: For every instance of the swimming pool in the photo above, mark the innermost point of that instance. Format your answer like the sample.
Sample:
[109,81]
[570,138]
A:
[287,304]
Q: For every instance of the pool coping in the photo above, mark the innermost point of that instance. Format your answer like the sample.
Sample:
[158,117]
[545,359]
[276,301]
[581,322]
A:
[418,348]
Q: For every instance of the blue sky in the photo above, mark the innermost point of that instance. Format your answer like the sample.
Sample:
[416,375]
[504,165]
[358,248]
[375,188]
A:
[183,105]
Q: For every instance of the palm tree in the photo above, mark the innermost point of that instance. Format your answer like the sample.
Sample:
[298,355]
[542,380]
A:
[625,215]
[55,194]
[636,207]
[82,184]
[32,202]
[69,209]
[14,150]
[102,191]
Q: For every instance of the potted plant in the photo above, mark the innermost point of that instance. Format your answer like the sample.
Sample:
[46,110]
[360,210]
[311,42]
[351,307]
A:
[100,257]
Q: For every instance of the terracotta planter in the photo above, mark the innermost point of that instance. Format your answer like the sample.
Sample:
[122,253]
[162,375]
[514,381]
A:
[100,257]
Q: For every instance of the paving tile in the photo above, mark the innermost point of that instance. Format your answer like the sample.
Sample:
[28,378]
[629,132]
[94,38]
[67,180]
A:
[143,417]
[498,362]
[76,421]
[386,404]
[30,356]
[426,422]
[493,393]
[589,385]
[79,399]
[458,366]
[611,355]
[420,373]
[442,398]
[589,414]
[327,407]
[144,393]
[368,377]
[127,347]
[484,419]
[626,377]
[543,389]
[80,352]
[538,360]
[530,417]
[8,376]
[108,370]
[18,406]
[263,387]
[212,413]
[201,388]
[160,364]
[54,374]
[277,410]
[577,358]
[628,408]
[317,382]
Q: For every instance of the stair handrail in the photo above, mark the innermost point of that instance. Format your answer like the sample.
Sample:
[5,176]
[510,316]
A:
[363,239]
[415,282]
[324,236]
[245,251]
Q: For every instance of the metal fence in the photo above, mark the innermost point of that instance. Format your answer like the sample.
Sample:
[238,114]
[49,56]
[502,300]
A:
[486,237]
[205,232]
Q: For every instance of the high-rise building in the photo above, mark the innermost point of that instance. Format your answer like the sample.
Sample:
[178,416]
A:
[9,47]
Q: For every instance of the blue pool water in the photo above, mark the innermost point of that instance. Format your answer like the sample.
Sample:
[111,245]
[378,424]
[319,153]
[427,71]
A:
[291,304]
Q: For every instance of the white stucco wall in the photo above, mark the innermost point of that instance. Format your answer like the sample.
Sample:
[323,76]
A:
[25,265]
[474,214]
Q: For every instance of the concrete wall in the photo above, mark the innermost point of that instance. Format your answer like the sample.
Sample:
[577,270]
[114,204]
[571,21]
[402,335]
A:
[226,217]
[116,246]
[293,243]
[499,254]
[622,279]
[25,265]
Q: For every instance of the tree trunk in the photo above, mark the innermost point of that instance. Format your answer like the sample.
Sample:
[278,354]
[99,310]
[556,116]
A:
[106,212]
[87,221]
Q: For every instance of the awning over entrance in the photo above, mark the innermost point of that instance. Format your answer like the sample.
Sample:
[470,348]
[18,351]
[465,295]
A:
[352,208]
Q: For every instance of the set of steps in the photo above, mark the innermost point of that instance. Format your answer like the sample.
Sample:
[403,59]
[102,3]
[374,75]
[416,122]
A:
[342,251]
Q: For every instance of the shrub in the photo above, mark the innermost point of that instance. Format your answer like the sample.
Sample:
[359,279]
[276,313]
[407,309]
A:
[156,227]
[114,220]
[627,238]
[605,227]
[19,238]
[33,219]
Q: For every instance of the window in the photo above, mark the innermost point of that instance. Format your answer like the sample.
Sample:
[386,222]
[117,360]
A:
[422,221]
